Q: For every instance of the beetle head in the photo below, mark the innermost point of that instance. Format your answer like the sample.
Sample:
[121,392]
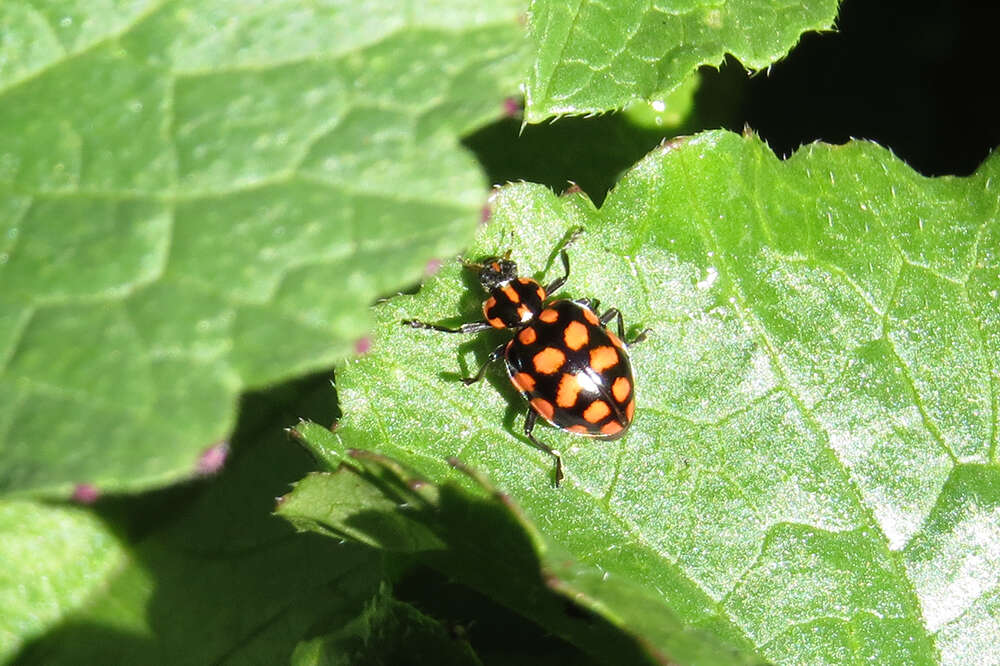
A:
[494,271]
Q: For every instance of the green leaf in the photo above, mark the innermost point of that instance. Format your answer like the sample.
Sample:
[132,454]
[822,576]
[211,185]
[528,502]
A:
[593,57]
[488,543]
[205,574]
[813,467]
[197,198]
[53,558]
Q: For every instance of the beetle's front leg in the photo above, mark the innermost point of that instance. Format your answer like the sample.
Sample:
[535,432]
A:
[471,327]
[613,313]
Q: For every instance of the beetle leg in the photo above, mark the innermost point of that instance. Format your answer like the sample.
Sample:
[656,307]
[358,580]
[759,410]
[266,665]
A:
[494,356]
[589,303]
[471,327]
[529,425]
[613,313]
[638,338]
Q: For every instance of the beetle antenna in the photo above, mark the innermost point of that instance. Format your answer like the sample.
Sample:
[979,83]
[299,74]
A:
[470,264]
[570,237]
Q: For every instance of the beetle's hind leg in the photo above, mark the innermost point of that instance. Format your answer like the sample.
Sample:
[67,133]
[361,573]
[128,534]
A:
[494,356]
[529,425]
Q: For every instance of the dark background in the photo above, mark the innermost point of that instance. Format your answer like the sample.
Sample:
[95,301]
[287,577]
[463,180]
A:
[919,77]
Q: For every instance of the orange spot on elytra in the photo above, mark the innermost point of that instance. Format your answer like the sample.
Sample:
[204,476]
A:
[523,312]
[615,340]
[549,315]
[603,358]
[489,304]
[541,293]
[527,336]
[630,410]
[596,411]
[589,315]
[579,429]
[621,388]
[522,381]
[576,335]
[612,428]
[543,407]
[511,293]
[495,322]
[549,360]
[569,391]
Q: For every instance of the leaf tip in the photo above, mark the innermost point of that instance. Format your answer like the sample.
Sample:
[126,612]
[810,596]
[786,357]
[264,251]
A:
[85,493]
[432,266]
[512,107]
[362,345]
[750,134]
[572,190]
[212,459]
[671,144]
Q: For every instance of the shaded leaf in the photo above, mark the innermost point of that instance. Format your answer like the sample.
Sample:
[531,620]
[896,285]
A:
[208,575]
[590,153]
[386,632]
[486,542]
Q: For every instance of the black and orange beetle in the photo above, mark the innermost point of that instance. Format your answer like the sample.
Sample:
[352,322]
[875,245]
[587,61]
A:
[573,371]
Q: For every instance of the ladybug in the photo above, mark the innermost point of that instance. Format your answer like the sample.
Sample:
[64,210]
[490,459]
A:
[574,372]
